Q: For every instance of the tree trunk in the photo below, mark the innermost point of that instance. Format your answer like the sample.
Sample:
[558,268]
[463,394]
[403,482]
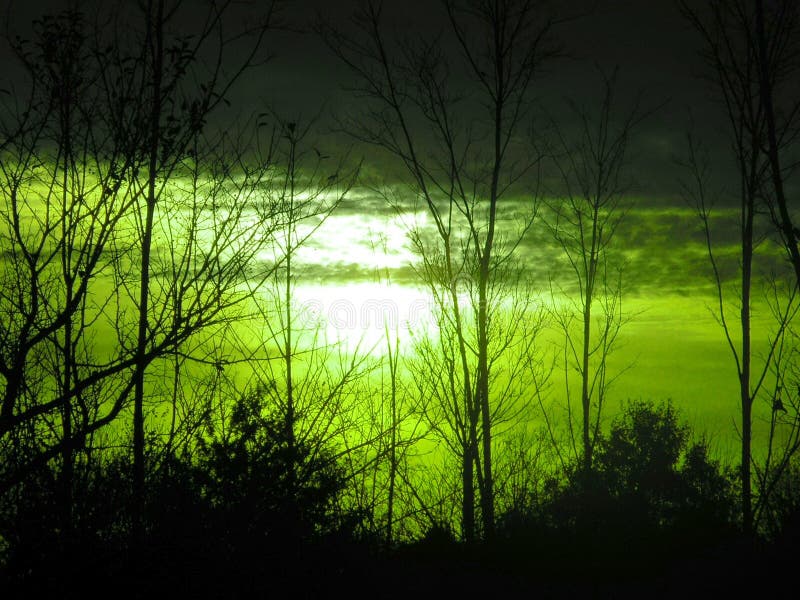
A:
[585,400]
[289,424]
[468,500]
[393,358]
[591,278]
[765,91]
[155,44]
[482,391]
[744,381]
[66,97]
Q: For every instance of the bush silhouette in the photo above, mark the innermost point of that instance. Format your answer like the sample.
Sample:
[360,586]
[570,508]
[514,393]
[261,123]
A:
[648,458]
[653,492]
[264,491]
[660,483]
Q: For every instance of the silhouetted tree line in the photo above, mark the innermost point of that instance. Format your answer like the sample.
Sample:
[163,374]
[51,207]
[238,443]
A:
[219,511]
[147,448]
[221,518]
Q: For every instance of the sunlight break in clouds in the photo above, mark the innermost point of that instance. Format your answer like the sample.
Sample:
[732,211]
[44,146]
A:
[360,315]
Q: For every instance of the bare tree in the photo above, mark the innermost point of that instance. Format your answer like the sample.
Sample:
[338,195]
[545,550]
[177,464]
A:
[752,373]
[313,385]
[56,59]
[783,437]
[171,112]
[403,424]
[776,41]
[748,64]
[592,169]
[120,199]
[63,200]
[473,161]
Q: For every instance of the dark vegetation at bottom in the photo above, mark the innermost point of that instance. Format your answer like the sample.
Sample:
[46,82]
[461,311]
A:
[250,516]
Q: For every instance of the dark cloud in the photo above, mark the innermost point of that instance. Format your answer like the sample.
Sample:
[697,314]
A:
[655,49]
[657,54]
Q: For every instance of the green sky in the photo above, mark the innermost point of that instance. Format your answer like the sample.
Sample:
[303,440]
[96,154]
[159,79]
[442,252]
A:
[673,347]
[673,344]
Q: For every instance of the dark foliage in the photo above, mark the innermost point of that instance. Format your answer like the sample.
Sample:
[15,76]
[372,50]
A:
[242,512]
[657,478]
[231,511]
[653,500]
[265,490]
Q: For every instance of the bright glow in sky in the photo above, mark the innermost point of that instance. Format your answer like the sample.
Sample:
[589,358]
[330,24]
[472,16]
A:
[376,242]
[672,348]
[360,314]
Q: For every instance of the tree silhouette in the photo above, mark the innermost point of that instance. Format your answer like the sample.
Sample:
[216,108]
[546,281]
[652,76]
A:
[303,388]
[730,32]
[74,179]
[658,481]
[459,182]
[63,201]
[652,485]
[584,224]
[271,489]
[169,118]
